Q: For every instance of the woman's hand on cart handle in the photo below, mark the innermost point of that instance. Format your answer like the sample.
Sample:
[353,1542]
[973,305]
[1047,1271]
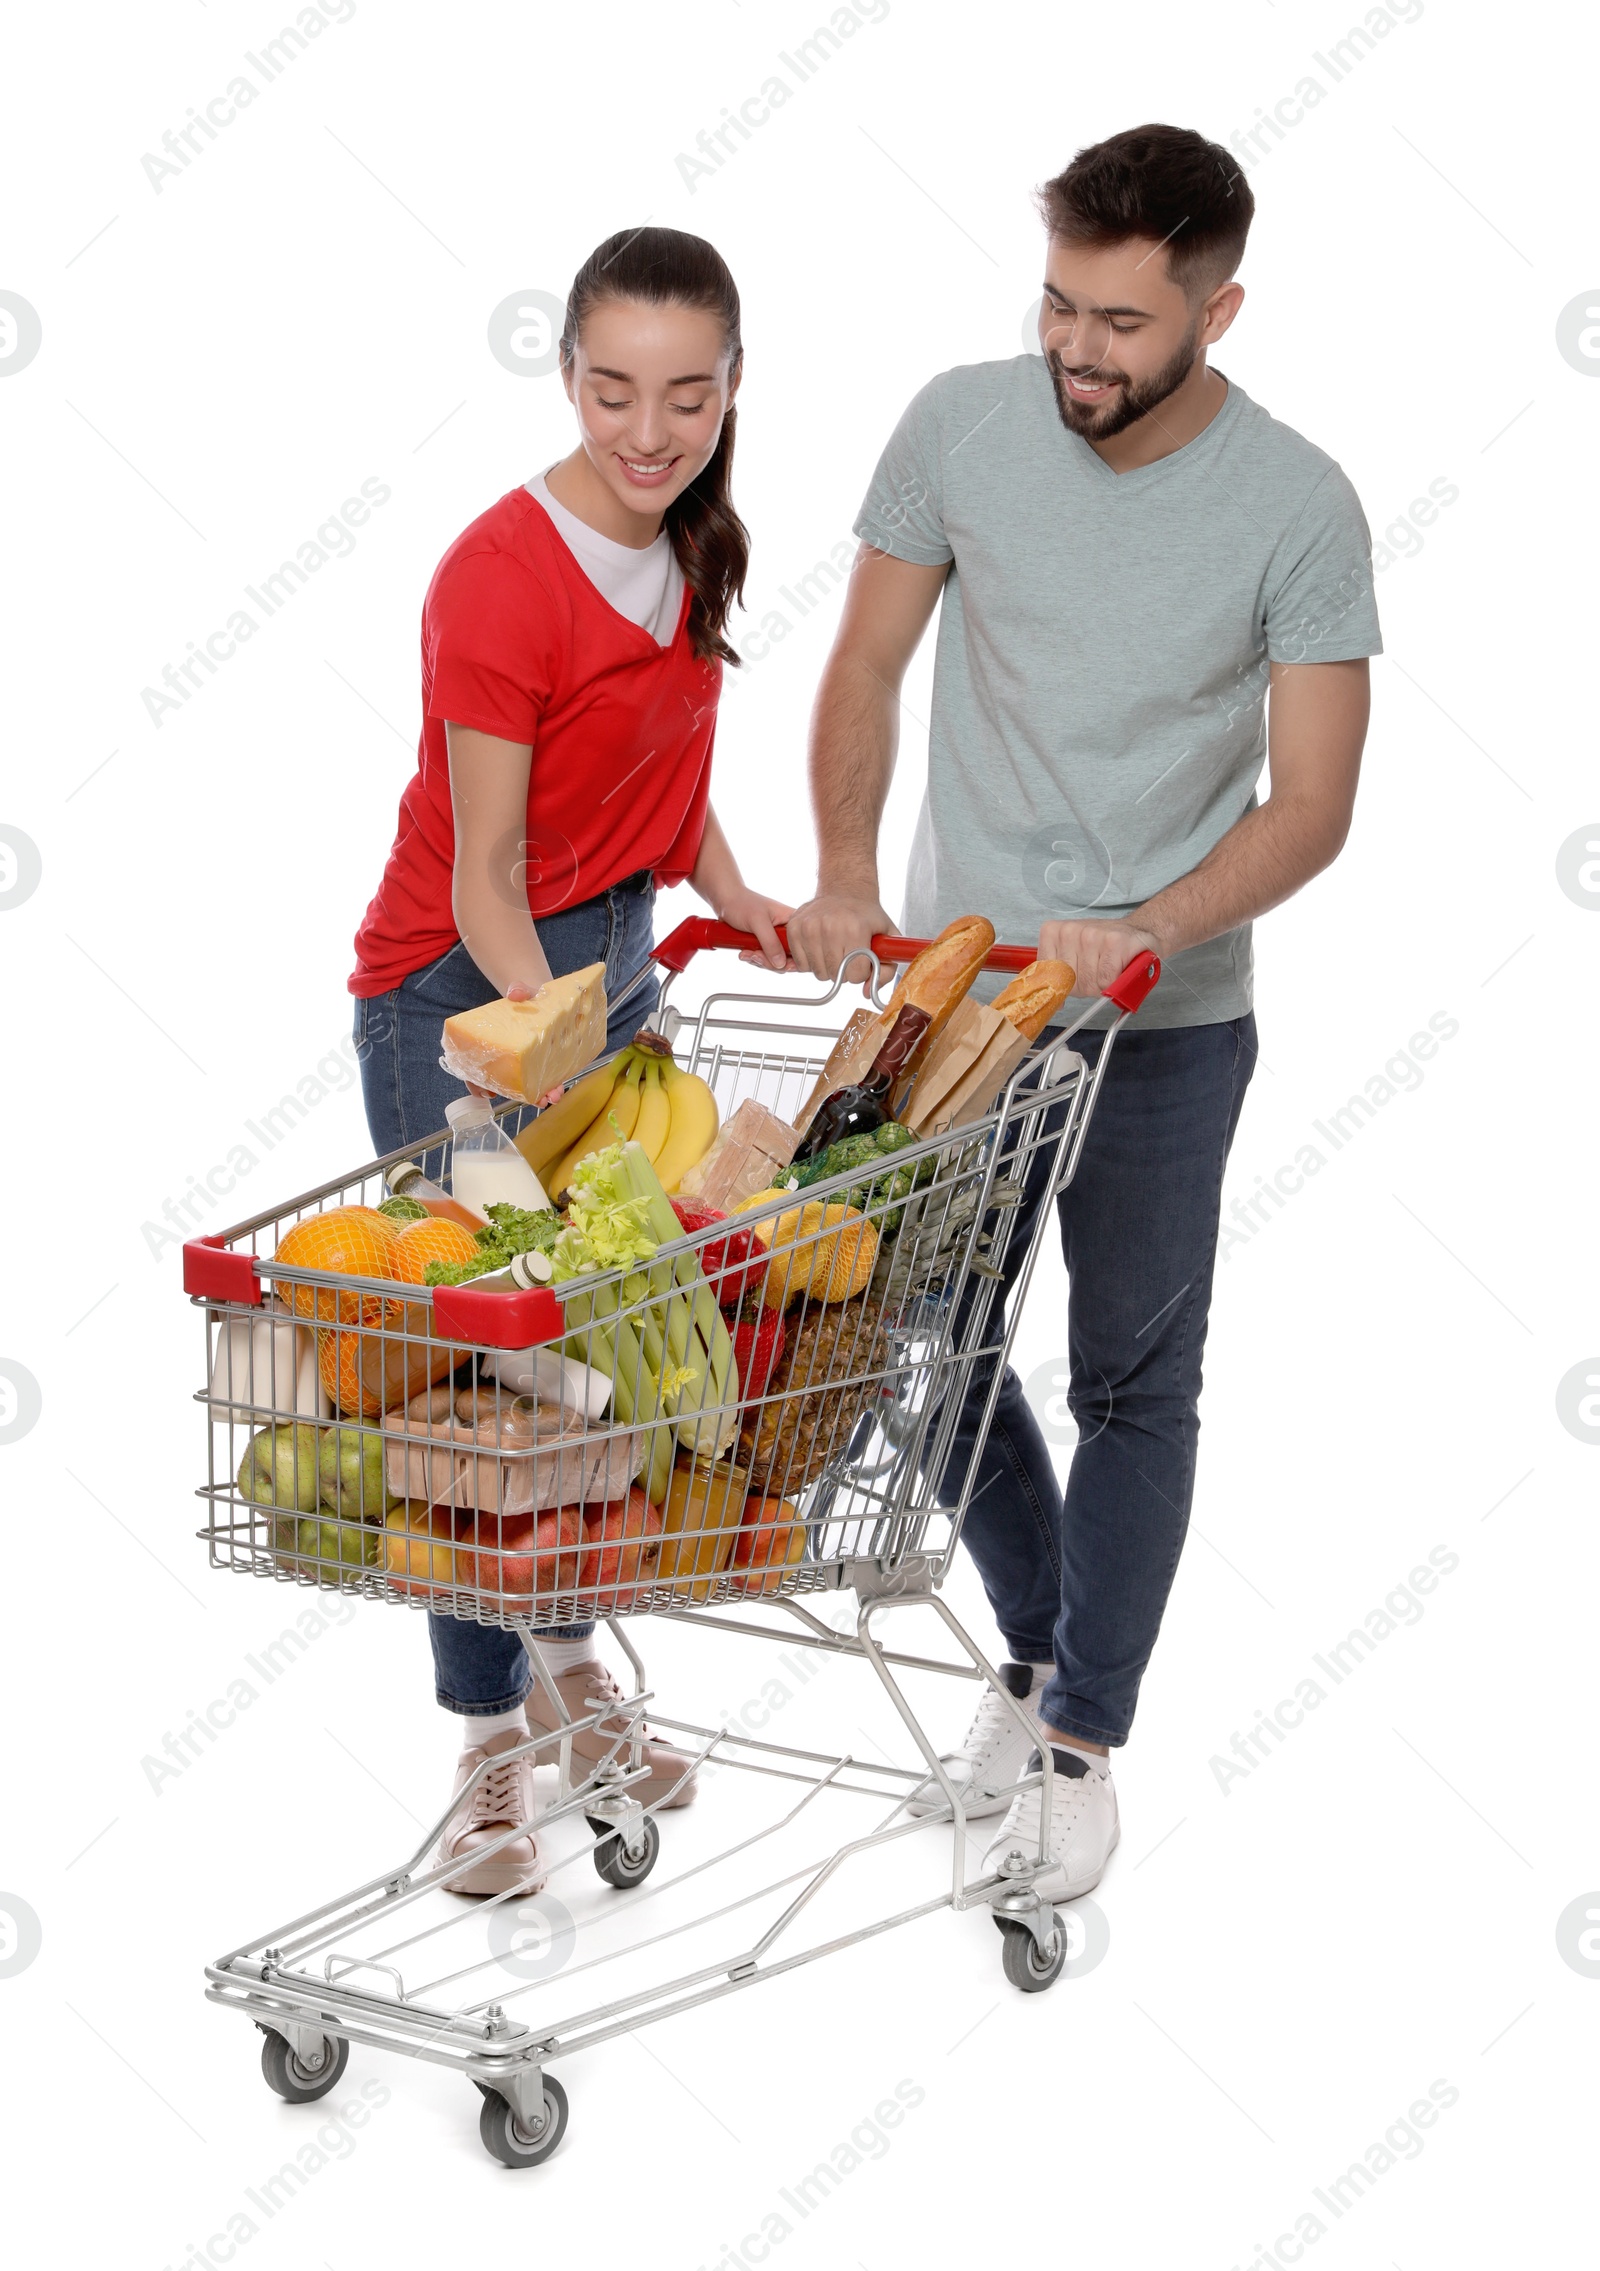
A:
[764,920]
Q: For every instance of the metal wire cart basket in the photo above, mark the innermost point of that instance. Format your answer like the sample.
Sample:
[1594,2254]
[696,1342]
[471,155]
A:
[441,1448]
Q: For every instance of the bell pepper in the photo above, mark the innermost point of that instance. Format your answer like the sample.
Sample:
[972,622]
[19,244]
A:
[735,1264]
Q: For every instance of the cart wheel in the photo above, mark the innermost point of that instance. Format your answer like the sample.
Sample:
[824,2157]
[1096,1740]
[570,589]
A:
[615,1863]
[1025,1967]
[300,2083]
[504,2137]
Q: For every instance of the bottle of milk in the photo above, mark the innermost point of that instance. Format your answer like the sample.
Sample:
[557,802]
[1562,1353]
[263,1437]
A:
[486,1168]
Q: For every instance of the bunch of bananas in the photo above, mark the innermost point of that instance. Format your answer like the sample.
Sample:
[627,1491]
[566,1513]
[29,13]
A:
[642,1094]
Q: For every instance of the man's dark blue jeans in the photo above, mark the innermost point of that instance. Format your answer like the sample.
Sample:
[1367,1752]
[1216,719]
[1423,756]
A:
[1085,1578]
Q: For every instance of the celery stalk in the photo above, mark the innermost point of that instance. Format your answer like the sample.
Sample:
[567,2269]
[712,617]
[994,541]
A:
[695,1333]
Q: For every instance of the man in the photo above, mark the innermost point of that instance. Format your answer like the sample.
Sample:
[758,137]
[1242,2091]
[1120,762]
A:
[1129,553]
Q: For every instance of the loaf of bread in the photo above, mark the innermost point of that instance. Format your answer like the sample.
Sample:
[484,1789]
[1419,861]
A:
[1034,995]
[942,973]
[523,1048]
[938,981]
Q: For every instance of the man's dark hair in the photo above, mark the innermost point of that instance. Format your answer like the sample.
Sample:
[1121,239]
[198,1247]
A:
[1163,182]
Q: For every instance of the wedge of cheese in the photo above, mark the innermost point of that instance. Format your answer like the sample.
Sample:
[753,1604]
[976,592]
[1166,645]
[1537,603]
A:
[523,1048]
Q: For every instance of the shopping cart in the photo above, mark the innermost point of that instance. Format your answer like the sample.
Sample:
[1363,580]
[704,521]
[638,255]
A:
[433,1451]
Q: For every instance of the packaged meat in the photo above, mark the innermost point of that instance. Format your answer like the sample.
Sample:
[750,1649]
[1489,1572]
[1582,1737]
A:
[516,1457]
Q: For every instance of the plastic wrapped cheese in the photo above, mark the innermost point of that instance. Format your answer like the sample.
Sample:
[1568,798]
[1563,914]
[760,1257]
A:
[524,1048]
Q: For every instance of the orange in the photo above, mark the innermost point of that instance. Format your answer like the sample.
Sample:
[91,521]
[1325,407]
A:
[368,1370]
[355,1240]
[433,1240]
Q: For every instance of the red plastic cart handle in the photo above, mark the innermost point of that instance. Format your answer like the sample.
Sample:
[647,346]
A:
[678,950]
[214,1272]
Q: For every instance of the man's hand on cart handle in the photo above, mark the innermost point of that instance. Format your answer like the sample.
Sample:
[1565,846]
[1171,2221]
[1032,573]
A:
[1098,952]
[833,926]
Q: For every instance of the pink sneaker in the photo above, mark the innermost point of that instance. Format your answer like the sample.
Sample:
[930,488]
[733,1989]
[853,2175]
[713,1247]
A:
[503,1800]
[582,1689]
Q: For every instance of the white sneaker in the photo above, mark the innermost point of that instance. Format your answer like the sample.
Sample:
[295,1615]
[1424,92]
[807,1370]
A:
[993,1752]
[1083,1827]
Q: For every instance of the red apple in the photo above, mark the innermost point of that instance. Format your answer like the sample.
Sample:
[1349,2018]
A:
[521,1555]
[621,1547]
[769,1541]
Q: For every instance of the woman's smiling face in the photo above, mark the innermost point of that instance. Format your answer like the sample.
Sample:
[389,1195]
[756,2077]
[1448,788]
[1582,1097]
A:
[651,385]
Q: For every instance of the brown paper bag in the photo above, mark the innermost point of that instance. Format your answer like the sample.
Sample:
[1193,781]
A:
[849,1061]
[969,1064]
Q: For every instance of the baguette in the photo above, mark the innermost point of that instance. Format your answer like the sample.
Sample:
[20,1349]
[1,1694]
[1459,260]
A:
[938,981]
[942,973]
[1034,995]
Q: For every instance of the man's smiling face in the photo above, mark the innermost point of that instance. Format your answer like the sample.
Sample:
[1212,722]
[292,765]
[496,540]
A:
[1118,334]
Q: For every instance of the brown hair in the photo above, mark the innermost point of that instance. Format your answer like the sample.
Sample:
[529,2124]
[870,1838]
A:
[711,541]
[1163,182]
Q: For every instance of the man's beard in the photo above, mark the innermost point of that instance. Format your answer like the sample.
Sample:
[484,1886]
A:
[1138,397]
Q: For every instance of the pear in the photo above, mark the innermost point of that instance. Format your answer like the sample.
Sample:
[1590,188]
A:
[350,1473]
[279,1468]
[302,1545]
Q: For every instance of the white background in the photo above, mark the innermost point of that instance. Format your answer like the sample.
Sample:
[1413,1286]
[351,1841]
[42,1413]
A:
[1293,1958]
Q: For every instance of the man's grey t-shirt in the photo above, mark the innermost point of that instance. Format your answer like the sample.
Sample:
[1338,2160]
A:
[1100,678]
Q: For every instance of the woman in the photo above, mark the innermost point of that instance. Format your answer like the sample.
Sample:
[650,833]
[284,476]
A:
[573,639]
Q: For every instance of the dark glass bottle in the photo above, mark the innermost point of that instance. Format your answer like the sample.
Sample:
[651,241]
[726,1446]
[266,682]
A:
[862,1107]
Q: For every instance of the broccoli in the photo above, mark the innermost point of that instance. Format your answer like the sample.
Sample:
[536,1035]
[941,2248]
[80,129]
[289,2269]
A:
[894,1135]
[892,1190]
[839,1158]
[855,1151]
[884,1198]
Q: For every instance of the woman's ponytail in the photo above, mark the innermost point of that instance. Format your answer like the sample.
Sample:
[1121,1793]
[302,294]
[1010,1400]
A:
[711,542]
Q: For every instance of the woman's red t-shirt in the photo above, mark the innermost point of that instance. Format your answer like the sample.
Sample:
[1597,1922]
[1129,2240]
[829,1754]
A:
[517,642]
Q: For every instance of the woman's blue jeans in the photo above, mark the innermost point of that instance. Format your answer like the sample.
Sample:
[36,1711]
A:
[1083,1576]
[478,1668]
